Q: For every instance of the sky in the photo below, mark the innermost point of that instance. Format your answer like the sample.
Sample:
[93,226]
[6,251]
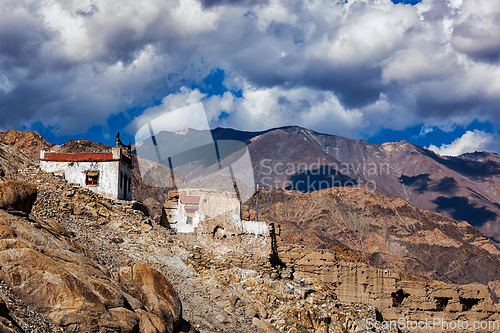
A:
[427,72]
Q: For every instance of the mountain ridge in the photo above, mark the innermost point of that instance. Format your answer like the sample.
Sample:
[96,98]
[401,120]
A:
[464,187]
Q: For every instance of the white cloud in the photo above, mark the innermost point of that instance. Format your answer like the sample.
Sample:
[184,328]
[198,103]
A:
[345,68]
[262,108]
[176,112]
[426,129]
[470,142]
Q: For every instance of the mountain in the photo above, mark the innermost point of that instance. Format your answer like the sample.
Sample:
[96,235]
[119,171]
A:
[28,142]
[73,237]
[465,187]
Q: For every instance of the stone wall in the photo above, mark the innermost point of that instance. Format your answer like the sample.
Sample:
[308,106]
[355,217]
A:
[229,234]
[394,295]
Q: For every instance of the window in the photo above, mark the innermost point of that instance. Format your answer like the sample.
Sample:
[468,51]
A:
[129,184]
[92,178]
[121,179]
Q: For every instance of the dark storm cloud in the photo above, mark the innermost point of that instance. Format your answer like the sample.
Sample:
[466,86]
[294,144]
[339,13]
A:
[362,65]
[21,40]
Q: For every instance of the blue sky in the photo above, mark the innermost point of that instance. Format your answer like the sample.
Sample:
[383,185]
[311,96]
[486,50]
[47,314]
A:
[427,72]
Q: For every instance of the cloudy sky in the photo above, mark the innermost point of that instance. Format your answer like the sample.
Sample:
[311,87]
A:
[423,71]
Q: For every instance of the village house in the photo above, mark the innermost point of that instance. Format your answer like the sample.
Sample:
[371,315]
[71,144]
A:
[108,173]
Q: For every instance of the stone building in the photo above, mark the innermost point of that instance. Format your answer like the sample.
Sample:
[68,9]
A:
[108,173]
[184,210]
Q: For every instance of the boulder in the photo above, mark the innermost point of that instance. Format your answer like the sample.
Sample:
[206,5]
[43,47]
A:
[159,297]
[17,197]
[77,294]
[149,323]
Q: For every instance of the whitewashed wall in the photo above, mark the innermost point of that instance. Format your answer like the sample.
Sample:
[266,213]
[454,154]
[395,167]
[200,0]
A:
[182,225]
[74,172]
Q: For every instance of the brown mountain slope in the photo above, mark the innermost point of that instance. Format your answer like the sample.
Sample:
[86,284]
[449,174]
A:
[11,160]
[464,187]
[29,142]
[389,231]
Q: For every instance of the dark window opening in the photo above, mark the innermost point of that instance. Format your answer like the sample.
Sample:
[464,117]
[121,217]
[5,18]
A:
[398,297]
[468,303]
[92,178]
[121,179]
[129,184]
[189,220]
[441,303]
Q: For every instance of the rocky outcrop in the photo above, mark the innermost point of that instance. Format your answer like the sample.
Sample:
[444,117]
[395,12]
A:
[157,294]
[394,295]
[390,232]
[17,197]
[43,267]
[301,305]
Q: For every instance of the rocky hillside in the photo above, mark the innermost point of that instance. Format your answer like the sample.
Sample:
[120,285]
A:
[29,142]
[12,160]
[73,261]
[392,233]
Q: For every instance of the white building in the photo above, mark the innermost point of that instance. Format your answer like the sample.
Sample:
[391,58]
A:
[107,173]
[190,207]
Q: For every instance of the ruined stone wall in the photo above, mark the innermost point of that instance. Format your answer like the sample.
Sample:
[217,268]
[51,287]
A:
[394,295]
[212,204]
[229,234]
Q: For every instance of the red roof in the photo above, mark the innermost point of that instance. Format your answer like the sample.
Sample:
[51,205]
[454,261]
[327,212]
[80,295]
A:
[188,198]
[78,157]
